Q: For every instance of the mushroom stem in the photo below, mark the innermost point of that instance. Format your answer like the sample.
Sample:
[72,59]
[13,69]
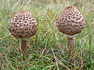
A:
[24,46]
[71,48]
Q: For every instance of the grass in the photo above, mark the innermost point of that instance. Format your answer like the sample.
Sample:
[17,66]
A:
[40,55]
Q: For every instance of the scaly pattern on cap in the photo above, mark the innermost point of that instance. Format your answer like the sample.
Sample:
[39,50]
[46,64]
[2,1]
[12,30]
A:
[70,21]
[23,25]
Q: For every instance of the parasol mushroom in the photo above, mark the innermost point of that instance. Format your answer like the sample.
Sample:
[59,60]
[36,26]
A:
[23,26]
[70,22]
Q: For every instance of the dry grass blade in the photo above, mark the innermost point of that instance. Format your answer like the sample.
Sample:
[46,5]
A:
[55,58]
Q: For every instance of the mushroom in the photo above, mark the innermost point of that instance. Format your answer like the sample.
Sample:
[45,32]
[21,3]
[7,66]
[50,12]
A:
[70,22]
[22,26]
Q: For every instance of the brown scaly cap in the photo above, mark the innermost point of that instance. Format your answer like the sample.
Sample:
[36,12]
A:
[70,21]
[23,25]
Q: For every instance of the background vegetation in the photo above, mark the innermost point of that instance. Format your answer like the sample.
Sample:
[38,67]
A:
[48,40]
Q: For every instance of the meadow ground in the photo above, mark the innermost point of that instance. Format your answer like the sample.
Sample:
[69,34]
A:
[48,40]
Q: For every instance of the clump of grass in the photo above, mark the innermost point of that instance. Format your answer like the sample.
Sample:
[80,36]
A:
[40,56]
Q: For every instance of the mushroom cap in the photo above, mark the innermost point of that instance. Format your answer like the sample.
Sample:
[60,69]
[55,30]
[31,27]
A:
[23,25]
[70,21]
